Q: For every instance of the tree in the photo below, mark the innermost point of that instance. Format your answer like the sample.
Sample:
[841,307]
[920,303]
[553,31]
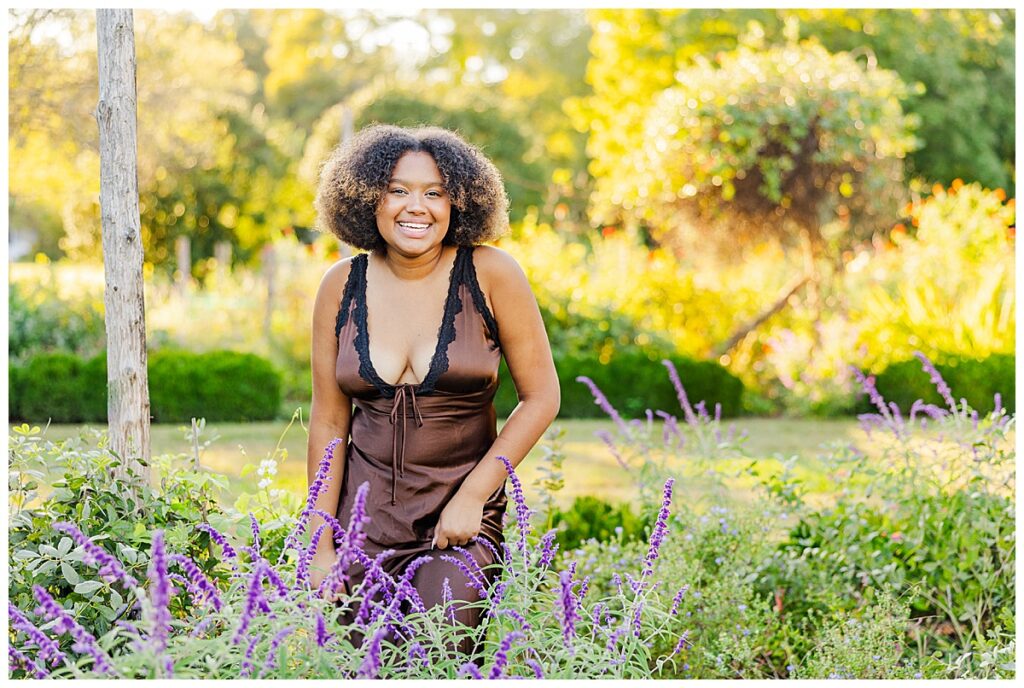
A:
[127,382]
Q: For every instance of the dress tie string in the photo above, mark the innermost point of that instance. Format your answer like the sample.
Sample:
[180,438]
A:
[398,457]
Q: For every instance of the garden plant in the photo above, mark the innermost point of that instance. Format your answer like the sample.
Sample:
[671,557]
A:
[907,572]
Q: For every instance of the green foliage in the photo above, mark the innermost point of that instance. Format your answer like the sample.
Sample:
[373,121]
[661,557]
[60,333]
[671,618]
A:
[976,380]
[217,385]
[39,320]
[593,518]
[80,471]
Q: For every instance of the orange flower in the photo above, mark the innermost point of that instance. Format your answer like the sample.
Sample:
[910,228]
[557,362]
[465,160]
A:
[899,228]
[1000,194]
[936,189]
[1011,233]
[957,183]
[607,231]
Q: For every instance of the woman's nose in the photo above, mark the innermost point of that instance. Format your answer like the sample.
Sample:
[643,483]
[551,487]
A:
[415,203]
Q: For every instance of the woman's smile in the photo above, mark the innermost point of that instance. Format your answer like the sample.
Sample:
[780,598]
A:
[415,206]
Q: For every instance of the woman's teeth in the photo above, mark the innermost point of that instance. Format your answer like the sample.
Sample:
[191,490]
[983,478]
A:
[415,227]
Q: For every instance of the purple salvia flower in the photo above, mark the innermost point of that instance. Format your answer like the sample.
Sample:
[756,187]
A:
[997,403]
[473,582]
[201,626]
[602,401]
[684,402]
[271,661]
[635,584]
[513,614]
[637,615]
[358,517]
[247,665]
[487,543]
[678,599]
[316,488]
[416,652]
[498,594]
[868,384]
[305,556]
[522,511]
[613,639]
[701,410]
[371,662]
[49,651]
[254,602]
[322,636]
[617,580]
[595,619]
[16,657]
[567,607]
[255,526]
[471,670]
[340,534]
[473,564]
[932,411]
[84,641]
[221,541]
[275,580]
[160,594]
[671,428]
[198,584]
[940,384]
[606,437]
[660,529]
[548,548]
[501,656]
[110,568]
[683,642]
[537,671]
[584,587]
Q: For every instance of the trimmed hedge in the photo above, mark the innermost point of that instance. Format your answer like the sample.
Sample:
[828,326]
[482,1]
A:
[633,381]
[976,380]
[218,386]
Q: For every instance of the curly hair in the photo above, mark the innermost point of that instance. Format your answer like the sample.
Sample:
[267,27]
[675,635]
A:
[355,177]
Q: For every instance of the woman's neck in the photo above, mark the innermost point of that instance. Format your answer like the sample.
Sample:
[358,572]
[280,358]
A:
[412,268]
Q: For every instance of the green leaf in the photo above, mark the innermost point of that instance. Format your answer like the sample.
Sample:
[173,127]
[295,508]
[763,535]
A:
[64,546]
[88,587]
[70,575]
[25,555]
[49,551]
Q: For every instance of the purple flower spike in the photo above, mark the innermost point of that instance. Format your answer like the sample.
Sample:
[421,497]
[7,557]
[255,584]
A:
[254,601]
[501,656]
[255,526]
[110,568]
[471,670]
[548,548]
[684,402]
[473,581]
[84,641]
[16,657]
[567,607]
[322,636]
[522,510]
[221,541]
[371,663]
[606,437]
[602,401]
[660,529]
[198,584]
[678,599]
[247,665]
[940,384]
[316,488]
[684,642]
[160,594]
[271,662]
[48,649]
[537,671]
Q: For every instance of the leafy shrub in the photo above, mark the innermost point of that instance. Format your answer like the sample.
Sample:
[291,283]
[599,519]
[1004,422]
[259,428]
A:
[635,381]
[218,386]
[120,522]
[977,380]
[593,518]
[39,320]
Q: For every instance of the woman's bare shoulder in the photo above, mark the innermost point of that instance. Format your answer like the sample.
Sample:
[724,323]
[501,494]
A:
[495,266]
[337,273]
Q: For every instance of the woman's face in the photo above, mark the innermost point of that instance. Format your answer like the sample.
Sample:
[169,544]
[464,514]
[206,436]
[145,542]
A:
[414,212]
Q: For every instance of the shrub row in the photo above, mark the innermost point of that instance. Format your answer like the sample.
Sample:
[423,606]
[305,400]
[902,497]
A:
[217,385]
[976,380]
[633,381]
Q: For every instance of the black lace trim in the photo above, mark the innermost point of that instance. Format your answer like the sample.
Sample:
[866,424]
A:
[480,302]
[346,298]
[445,334]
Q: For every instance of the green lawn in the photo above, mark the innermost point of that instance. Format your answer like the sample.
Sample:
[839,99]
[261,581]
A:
[589,468]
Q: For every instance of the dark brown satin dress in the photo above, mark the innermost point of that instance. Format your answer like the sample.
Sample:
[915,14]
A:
[415,444]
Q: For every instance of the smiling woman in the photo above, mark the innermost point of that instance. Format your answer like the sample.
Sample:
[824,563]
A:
[406,344]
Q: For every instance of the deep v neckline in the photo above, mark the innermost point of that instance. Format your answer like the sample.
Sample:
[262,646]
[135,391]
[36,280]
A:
[445,334]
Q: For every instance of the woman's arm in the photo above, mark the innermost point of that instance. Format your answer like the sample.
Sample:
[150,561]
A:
[524,343]
[330,410]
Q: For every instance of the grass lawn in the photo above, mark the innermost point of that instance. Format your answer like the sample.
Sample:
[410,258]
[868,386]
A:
[589,467]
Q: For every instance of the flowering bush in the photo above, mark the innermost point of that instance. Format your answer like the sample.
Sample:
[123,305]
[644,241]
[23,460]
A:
[717,588]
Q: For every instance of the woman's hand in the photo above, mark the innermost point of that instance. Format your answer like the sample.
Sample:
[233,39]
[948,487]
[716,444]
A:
[459,521]
[320,565]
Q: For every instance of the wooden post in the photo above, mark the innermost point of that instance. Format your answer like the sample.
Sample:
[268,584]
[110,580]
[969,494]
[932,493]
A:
[127,382]
[183,260]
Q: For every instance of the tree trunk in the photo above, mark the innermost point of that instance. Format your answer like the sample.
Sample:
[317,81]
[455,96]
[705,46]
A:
[183,259]
[128,396]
